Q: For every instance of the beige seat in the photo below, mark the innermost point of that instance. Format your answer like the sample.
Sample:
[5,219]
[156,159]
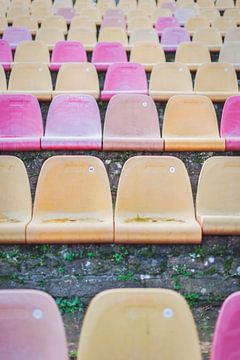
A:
[103,5]
[15,200]
[31,78]
[159,12]
[113,35]
[127,5]
[80,4]
[28,22]
[50,36]
[209,4]
[138,321]
[83,22]
[147,54]
[234,13]
[3,24]
[139,22]
[72,202]
[195,23]
[192,54]
[21,3]
[135,13]
[78,78]
[32,52]
[216,80]
[154,203]
[41,12]
[182,3]
[230,53]
[3,81]
[85,36]
[210,14]
[148,9]
[209,36]
[168,79]
[143,36]
[218,196]
[224,23]
[232,35]
[190,124]
[131,123]
[15,11]
[224,4]
[56,22]
[93,13]
[36,3]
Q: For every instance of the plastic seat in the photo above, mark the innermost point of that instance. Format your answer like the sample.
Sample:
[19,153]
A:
[56,22]
[196,23]
[114,13]
[154,202]
[227,330]
[73,202]
[83,22]
[134,13]
[166,22]
[230,123]
[216,80]
[85,36]
[184,14]
[67,51]
[78,78]
[50,36]
[224,23]
[14,35]
[190,124]
[131,123]
[62,4]
[28,22]
[31,78]
[21,124]
[18,10]
[113,22]
[103,5]
[107,53]
[232,35]
[3,24]
[143,36]
[67,13]
[3,81]
[41,12]
[211,13]
[172,37]
[158,13]
[168,79]
[209,36]
[171,5]
[113,35]
[6,57]
[193,54]
[135,312]
[230,53]
[93,13]
[73,123]
[15,206]
[224,4]
[147,54]
[43,335]
[139,22]
[218,196]
[234,13]
[128,78]
[32,51]
[208,4]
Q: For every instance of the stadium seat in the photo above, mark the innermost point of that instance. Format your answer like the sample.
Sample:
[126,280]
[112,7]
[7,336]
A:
[61,4]
[50,36]
[6,57]
[147,54]
[15,204]
[168,79]
[171,5]
[107,53]
[114,13]
[113,22]
[3,80]
[103,5]
[230,53]
[41,12]
[113,35]
[224,23]
[234,13]
[93,13]
[209,36]
[216,80]
[131,123]
[230,123]
[66,52]
[32,52]
[195,23]
[14,35]
[227,330]
[190,124]
[139,22]
[133,13]
[128,78]
[172,37]
[205,4]
[224,4]
[28,22]
[31,78]
[166,22]
[67,13]
[73,123]
[83,22]
[143,36]
[218,196]
[72,203]
[85,36]
[183,14]
[154,202]
[138,321]
[232,35]
[21,124]
[41,337]
[3,24]
[160,13]
[193,54]
[54,22]
[17,10]
[78,78]
[211,13]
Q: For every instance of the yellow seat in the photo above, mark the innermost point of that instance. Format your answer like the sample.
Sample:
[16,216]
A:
[56,22]
[15,200]
[143,36]
[147,54]
[93,13]
[224,23]
[232,35]
[218,196]
[216,80]
[192,54]
[72,203]
[50,36]
[154,202]
[83,22]
[3,24]
[85,36]
[190,124]
[230,53]
[159,12]
[31,78]
[41,12]
[195,23]
[209,36]
[224,4]
[139,22]
[15,11]
[3,81]
[121,323]
[234,13]
[78,78]
[113,35]
[210,14]
[28,22]
[168,79]
[32,52]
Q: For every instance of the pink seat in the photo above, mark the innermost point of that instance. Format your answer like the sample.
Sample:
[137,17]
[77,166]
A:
[107,53]
[113,21]
[14,35]
[67,51]
[73,122]
[226,344]
[21,124]
[124,78]
[166,22]
[183,14]
[230,123]
[6,57]
[114,12]
[172,37]
[67,13]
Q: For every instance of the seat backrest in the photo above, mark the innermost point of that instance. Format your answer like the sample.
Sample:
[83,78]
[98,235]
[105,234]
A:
[232,35]
[68,51]
[83,22]
[3,22]
[143,36]
[147,53]
[160,13]
[108,34]
[109,52]
[113,22]
[196,23]
[234,13]
[210,13]
[32,51]
[230,121]
[224,23]
[67,13]
[55,21]
[26,21]
[84,35]
[166,22]
[230,53]
[17,10]
[49,36]
[193,52]
[223,4]
[123,322]
[93,13]
[14,35]
[3,80]
[174,36]
[41,11]
[139,22]
[6,57]
[114,12]
[41,337]
[184,13]
[209,36]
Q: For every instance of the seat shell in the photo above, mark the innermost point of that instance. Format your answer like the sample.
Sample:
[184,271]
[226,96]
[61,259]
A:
[14,35]
[107,53]
[67,52]
[147,54]
[209,36]
[172,37]
[3,80]
[230,123]
[143,36]
[87,37]
[108,34]
[28,22]
[166,22]
[232,35]
[50,36]
[32,52]
[230,53]
[193,54]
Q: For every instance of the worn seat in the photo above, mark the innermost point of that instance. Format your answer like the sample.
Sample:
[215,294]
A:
[232,35]
[143,36]
[224,4]
[107,53]
[209,36]
[183,14]
[197,22]
[230,53]
[83,22]
[54,22]
[172,37]
[166,22]
[17,10]
[230,123]
[113,22]
[139,22]
[93,13]
[6,57]
[14,35]
[108,34]
[72,203]
[147,54]
[224,23]
[210,13]
[87,37]
[32,52]
[67,52]
[40,12]
[26,21]
[193,54]
[50,36]
[3,23]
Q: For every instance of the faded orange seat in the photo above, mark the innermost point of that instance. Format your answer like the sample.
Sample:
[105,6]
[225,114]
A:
[15,202]
[190,124]
[147,54]
[218,196]
[216,80]
[28,22]
[209,36]
[87,37]
[138,321]
[131,123]
[168,79]
[50,36]
[113,35]
[32,51]
[73,202]
[77,78]
[3,80]
[154,202]
[192,54]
